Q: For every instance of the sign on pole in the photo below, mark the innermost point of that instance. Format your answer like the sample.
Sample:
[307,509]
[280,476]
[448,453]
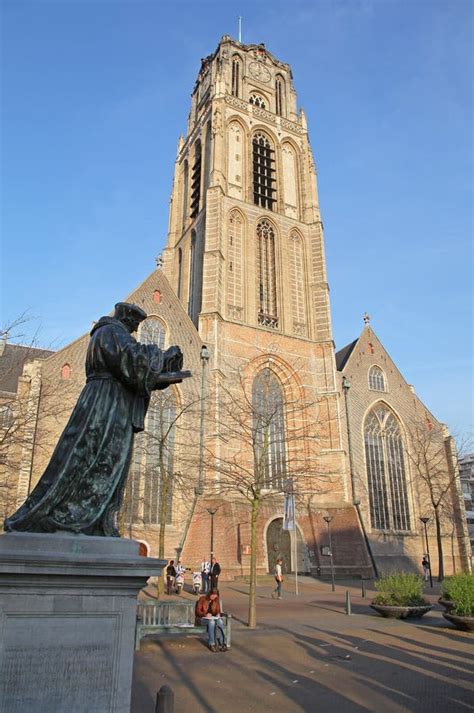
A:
[289,516]
[289,523]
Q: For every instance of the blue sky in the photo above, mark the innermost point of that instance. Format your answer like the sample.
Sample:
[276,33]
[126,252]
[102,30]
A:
[95,94]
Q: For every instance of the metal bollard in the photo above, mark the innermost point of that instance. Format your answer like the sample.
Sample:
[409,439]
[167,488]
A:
[165,700]
[363,587]
[348,603]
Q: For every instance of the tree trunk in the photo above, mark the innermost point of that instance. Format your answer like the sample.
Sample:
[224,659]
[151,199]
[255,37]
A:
[453,551]
[160,585]
[440,547]
[252,615]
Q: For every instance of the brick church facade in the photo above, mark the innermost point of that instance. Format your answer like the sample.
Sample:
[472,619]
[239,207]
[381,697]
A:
[242,287]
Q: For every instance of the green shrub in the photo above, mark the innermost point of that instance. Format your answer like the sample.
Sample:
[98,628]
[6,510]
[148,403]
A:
[460,590]
[400,590]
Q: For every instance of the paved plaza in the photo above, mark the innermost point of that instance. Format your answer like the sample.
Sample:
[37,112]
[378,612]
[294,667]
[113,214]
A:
[308,655]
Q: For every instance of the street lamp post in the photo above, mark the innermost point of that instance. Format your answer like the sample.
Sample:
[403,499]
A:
[425,520]
[328,519]
[204,360]
[212,512]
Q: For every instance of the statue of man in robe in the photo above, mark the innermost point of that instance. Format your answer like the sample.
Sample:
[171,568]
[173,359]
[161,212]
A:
[82,488]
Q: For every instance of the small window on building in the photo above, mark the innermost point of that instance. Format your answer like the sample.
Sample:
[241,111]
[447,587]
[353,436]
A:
[157,297]
[258,100]
[376,379]
[65,371]
[371,348]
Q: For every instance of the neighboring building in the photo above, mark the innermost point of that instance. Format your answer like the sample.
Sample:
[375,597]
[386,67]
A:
[20,382]
[244,274]
[466,473]
[397,451]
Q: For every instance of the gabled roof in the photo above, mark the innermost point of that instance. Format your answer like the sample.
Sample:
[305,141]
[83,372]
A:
[12,361]
[343,354]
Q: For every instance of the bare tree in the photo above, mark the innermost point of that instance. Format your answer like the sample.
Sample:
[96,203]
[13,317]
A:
[432,455]
[20,384]
[267,436]
[164,466]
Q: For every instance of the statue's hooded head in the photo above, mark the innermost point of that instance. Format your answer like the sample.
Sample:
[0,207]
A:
[130,315]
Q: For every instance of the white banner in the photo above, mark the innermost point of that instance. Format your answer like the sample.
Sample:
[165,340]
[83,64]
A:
[289,517]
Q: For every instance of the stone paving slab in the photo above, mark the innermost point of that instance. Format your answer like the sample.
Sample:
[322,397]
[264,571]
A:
[307,655]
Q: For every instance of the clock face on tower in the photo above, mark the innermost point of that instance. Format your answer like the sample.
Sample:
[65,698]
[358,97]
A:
[258,71]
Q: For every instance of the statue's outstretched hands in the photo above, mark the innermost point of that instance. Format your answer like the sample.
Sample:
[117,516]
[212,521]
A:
[173,359]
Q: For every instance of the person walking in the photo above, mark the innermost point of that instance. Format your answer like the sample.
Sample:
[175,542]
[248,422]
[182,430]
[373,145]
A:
[170,576]
[205,569]
[278,579]
[425,563]
[214,573]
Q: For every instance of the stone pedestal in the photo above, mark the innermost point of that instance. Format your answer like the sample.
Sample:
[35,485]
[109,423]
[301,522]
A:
[67,621]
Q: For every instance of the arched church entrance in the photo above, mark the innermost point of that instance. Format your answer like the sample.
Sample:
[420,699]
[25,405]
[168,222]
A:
[278,545]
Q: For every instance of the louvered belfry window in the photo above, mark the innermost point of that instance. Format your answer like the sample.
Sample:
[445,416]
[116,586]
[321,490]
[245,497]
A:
[196,181]
[263,172]
[267,299]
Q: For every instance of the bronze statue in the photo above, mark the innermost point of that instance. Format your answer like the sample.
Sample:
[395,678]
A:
[82,488]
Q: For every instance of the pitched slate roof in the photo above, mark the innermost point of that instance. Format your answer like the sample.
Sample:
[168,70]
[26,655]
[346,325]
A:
[12,361]
[343,354]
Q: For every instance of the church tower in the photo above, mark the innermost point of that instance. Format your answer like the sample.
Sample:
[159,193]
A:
[245,241]
[245,250]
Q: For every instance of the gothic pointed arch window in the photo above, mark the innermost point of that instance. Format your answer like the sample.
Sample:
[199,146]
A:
[235,265]
[149,495]
[196,180]
[289,161]
[152,331]
[180,272]
[269,433]
[386,471]
[266,271]
[192,269]
[377,379]
[236,75]
[297,275]
[279,95]
[264,180]
[258,100]
[185,194]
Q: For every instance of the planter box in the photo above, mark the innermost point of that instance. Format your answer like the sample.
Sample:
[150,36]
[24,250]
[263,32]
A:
[446,603]
[401,612]
[465,623]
